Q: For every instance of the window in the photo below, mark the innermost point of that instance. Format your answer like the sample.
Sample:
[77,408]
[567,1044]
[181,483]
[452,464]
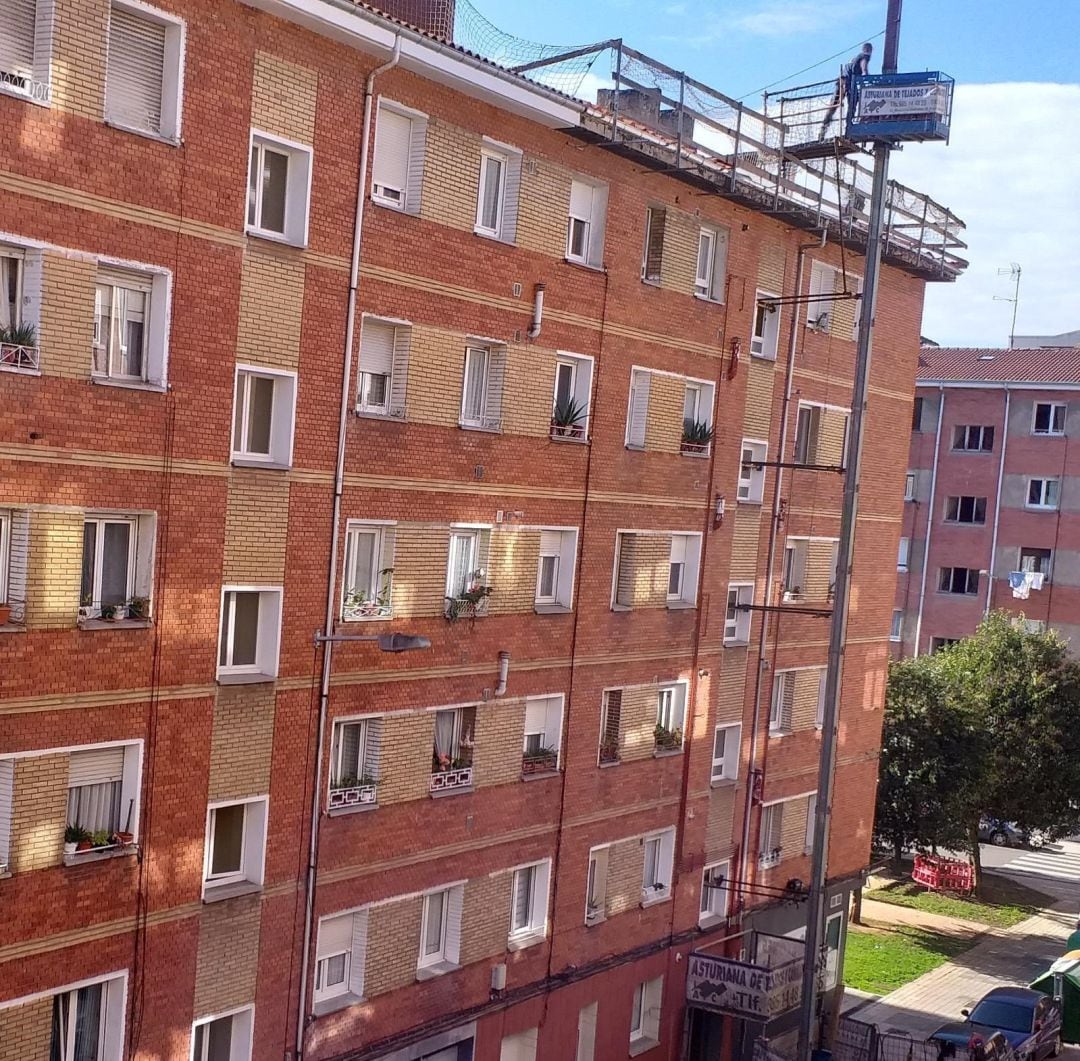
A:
[1035,560]
[573,394]
[610,723]
[645,1012]
[529,902]
[959,580]
[88,1021]
[543,733]
[440,931]
[770,840]
[638,409]
[819,307]
[596,886]
[697,429]
[737,620]
[683,569]
[903,554]
[1049,418]
[519,1047]
[467,567]
[796,559]
[384,368]
[670,716]
[585,223]
[1043,493]
[397,167]
[131,321]
[497,199]
[766,326]
[659,854]
[367,582]
[555,569]
[973,438]
[938,643]
[482,390]
[452,748]
[811,823]
[12,280]
[279,187]
[586,1033]
[340,956]
[103,790]
[235,847]
[652,259]
[725,755]
[782,707]
[25,48]
[807,431]
[820,435]
[715,893]
[5,555]
[354,761]
[823,685]
[909,486]
[250,633]
[917,413]
[896,631]
[965,509]
[710,275]
[224,1038]
[144,79]
[752,472]
[263,414]
[117,565]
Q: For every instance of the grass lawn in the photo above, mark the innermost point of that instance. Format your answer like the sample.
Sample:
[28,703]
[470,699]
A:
[1002,903]
[883,961]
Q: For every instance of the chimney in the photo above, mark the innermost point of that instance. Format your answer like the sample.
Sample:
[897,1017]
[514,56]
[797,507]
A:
[646,106]
[432,16]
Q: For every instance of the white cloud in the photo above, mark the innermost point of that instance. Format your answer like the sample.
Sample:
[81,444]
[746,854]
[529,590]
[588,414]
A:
[1010,172]
[783,18]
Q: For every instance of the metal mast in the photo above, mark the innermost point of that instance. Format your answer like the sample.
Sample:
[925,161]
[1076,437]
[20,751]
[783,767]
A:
[837,632]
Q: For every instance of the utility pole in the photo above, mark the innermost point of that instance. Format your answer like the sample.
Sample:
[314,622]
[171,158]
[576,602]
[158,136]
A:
[1013,272]
[849,515]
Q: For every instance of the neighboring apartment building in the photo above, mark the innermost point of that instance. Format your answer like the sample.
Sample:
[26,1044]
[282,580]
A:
[992,496]
[605,759]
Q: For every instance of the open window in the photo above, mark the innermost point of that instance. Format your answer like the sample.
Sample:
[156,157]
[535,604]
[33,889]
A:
[697,421]
[279,189]
[751,487]
[103,796]
[88,1020]
[131,324]
[482,387]
[355,749]
[585,224]
[384,368]
[715,893]
[819,306]
[264,413]
[1043,493]
[249,635]
[367,582]
[543,734]
[738,616]
[499,188]
[224,1037]
[555,569]
[117,566]
[645,1014]
[467,588]
[235,847]
[440,931]
[529,903]
[397,167]
[610,726]
[659,856]
[782,707]
[596,885]
[766,335]
[771,836]
[727,741]
[711,272]
[683,570]
[670,717]
[652,258]
[638,410]
[573,394]
[340,957]
[1048,418]
[26,32]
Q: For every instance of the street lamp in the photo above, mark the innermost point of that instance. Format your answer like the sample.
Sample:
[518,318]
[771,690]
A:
[395,641]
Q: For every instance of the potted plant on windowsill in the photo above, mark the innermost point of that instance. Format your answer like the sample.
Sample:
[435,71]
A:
[74,835]
[111,613]
[667,739]
[139,608]
[543,761]
[101,838]
[609,751]
[468,604]
[697,436]
[568,420]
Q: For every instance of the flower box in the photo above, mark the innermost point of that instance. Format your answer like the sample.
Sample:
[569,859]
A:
[609,753]
[540,763]
[575,431]
[698,448]
[452,779]
[352,796]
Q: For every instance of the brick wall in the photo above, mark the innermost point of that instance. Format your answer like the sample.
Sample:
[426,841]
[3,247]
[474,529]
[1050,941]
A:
[515,556]
[271,308]
[544,207]
[451,175]
[830,446]
[804,706]
[228,957]
[679,265]
[485,917]
[54,569]
[66,332]
[719,836]
[405,765]
[26,1031]
[626,866]
[283,98]
[500,725]
[242,741]
[819,570]
[638,721]
[664,423]
[421,554]
[39,813]
[256,528]
[644,563]
[78,65]
[393,944]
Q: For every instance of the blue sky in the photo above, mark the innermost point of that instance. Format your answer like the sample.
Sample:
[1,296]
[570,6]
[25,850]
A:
[1008,172]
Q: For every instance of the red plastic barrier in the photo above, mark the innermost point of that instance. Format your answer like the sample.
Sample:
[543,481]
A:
[944,874]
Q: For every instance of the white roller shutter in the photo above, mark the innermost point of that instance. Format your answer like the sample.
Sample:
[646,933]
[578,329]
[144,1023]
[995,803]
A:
[335,935]
[639,409]
[7,782]
[390,167]
[454,902]
[18,19]
[377,347]
[133,81]
[97,766]
[581,200]
[372,744]
[678,549]
[494,397]
[359,953]
[550,543]
[399,379]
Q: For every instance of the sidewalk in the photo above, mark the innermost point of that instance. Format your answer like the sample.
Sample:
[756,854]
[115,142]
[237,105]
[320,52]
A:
[1003,956]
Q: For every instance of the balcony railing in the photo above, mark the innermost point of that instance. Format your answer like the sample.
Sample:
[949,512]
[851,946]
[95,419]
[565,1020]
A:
[22,358]
[471,605]
[768,859]
[352,796]
[542,762]
[452,779]
[25,85]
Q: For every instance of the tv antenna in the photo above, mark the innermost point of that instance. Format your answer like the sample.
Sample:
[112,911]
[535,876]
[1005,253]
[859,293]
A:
[1013,272]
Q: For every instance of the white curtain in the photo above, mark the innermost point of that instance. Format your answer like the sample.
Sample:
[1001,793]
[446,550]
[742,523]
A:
[444,733]
[7,278]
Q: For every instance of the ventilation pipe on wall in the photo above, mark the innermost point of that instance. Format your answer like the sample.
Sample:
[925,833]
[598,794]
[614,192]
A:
[538,311]
[504,673]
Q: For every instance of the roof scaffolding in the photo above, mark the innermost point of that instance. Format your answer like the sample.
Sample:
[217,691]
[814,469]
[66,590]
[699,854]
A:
[776,163]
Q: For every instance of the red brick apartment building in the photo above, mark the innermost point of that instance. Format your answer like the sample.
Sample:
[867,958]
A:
[605,760]
[991,495]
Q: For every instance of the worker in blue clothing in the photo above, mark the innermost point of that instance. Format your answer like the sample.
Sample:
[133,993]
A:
[857,67]
[1073,942]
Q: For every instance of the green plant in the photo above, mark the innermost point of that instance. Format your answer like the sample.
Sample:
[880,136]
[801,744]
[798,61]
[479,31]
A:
[108,611]
[697,433]
[24,334]
[75,834]
[101,838]
[667,738]
[354,782]
[568,414]
[139,607]
[466,605]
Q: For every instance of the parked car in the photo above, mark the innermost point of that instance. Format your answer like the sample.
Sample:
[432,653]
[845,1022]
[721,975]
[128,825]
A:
[989,1044]
[1009,834]
[1030,1020]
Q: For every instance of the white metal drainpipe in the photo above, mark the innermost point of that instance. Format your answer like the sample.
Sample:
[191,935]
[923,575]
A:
[997,504]
[930,516]
[335,527]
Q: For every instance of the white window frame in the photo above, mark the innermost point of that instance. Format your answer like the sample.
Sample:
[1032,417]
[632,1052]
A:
[896,631]
[710,273]
[687,545]
[593,225]
[172,72]
[130,786]
[350,989]
[586,1033]
[489,154]
[156,284]
[550,729]
[476,549]
[252,853]
[645,1014]
[92,608]
[538,883]
[1053,408]
[379,530]
[482,422]
[725,768]
[671,700]
[408,199]
[267,636]
[771,834]
[241,1033]
[282,418]
[765,336]
[656,887]
[393,407]
[779,723]
[37,72]
[562,597]
[737,630]
[707,915]
[819,311]
[297,188]
[113,1014]
[910,485]
[5,554]
[117,280]
[596,883]
[751,488]
[369,749]
[1048,486]
[443,956]
[903,553]
[581,367]
[701,394]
